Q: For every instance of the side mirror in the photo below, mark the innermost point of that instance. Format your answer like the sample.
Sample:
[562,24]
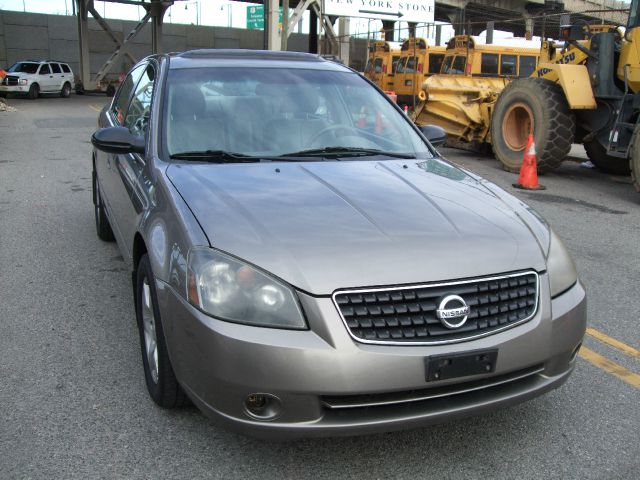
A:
[117,140]
[436,135]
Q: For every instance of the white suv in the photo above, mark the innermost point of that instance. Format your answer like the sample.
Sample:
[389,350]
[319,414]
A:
[33,78]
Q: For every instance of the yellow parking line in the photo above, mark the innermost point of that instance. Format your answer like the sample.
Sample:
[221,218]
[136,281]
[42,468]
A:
[623,347]
[95,108]
[608,366]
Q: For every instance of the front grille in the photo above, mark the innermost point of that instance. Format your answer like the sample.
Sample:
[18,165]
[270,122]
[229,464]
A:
[11,80]
[407,315]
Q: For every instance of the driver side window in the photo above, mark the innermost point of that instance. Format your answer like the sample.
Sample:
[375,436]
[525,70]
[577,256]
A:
[137,117]
[119,106]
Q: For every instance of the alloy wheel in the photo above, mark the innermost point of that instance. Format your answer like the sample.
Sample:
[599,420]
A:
[149,328]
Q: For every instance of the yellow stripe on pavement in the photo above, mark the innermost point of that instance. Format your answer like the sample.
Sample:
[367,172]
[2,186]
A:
[95,108]
[608,366]
[623,347]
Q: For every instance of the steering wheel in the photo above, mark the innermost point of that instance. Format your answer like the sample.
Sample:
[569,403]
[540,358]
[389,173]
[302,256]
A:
[332,128]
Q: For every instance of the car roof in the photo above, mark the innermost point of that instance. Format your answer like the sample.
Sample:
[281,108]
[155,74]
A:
[41,61]
[251,59]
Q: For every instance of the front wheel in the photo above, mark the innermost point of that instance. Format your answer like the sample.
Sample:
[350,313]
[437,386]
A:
[103,228]
[532,106]
[605,163]
[111,91]
[161,382]
[34,91]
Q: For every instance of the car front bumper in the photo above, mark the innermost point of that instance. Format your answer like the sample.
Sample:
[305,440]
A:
[14,89]
[327,384]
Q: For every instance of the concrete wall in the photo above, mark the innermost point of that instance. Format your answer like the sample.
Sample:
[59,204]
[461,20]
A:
[37,36]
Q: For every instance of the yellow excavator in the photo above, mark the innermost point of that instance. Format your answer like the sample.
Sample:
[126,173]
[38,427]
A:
[587,92]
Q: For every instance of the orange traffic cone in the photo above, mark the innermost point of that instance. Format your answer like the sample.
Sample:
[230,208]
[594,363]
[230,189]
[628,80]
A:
[528,179]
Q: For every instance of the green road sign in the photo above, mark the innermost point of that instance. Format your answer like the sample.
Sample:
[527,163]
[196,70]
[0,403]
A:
[255,17]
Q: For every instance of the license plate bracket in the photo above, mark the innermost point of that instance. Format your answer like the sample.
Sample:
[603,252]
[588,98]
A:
[445,367]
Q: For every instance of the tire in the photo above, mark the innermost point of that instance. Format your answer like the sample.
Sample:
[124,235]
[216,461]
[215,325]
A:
[634,159]
[103,228]
[66,90]
[161,382]
[111,91]
[606,163]
[34,91]
[534,101]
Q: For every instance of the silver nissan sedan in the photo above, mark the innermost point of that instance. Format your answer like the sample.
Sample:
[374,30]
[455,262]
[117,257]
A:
[304,262]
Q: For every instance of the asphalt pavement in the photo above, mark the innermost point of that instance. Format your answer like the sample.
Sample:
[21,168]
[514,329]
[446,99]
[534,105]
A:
[73,403]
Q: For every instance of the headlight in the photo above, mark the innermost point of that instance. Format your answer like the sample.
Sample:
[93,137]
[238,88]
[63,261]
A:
[562,270]
[229,289]
[23,81]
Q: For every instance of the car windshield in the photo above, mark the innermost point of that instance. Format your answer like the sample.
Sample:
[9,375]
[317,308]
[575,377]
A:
[277,112]
[24,67]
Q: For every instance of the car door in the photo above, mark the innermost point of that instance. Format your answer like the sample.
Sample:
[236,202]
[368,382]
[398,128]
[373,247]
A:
[45,78]
[127,199]
[108,178]
[57,76]
[67,74]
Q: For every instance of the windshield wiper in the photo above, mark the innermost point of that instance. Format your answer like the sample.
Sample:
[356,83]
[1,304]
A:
[336,152]
[215,156]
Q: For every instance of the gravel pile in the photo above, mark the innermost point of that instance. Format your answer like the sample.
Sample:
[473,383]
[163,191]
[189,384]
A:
[4,107]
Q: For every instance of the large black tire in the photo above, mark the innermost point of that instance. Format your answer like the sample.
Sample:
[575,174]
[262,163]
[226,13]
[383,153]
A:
[111,91]
[162,384]
[66,90]
[103,228]
[525,102]
[634,159]
[34,91]
[606,163]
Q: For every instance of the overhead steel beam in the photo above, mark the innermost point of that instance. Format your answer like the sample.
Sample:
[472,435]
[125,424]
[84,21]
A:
[155,10]
[83,42]
[272,10]
[105,26]
[277,40]
[327,27]
[115,56]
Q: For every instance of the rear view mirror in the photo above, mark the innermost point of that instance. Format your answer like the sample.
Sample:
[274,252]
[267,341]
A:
[436,135]
[117,140]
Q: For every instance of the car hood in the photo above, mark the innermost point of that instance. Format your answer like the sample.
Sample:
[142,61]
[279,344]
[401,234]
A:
[323,226]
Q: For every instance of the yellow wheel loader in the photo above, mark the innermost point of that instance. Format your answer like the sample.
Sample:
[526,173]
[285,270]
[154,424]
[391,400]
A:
[588,92]
[574,96]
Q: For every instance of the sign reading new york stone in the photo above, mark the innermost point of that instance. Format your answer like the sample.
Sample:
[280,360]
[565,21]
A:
[419,11]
